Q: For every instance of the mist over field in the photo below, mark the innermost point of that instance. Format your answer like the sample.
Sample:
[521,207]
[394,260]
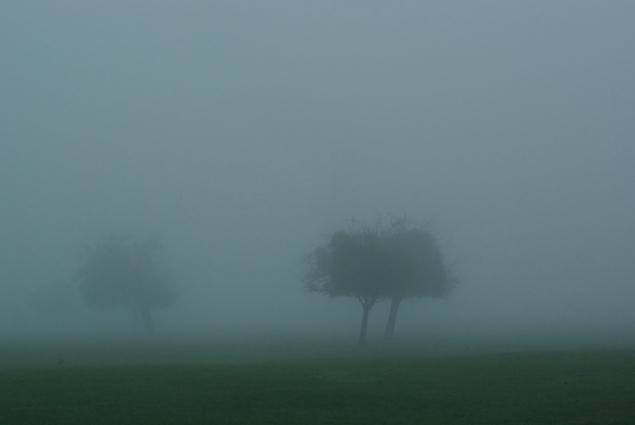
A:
[244,133]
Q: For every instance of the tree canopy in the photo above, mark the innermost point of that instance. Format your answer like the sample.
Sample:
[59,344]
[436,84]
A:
[394,261]
[349,265]
[122,274]
[415,268]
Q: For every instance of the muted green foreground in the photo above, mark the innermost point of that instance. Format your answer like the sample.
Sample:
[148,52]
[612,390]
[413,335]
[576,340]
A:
[557,388]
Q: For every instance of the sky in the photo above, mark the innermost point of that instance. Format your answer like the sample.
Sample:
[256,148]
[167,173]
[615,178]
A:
[246,132]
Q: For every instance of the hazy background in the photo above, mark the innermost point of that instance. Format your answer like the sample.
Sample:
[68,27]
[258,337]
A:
[245,132]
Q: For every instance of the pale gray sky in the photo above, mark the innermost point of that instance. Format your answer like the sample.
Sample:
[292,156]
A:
[246,131]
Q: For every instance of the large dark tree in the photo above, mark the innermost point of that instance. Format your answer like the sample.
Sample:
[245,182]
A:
[348,265]
[394,261]
[415,267]
[130,275]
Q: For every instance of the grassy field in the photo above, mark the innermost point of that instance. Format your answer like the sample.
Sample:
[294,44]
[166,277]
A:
[572,387]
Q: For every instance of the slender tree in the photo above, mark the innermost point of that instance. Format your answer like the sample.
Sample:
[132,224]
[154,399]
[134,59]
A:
[130,275]
[415,267]
[347,266]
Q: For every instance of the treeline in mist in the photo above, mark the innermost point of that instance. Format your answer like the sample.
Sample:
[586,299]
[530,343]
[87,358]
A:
[387,261]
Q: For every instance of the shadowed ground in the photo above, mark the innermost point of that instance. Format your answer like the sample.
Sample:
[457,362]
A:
[571,387]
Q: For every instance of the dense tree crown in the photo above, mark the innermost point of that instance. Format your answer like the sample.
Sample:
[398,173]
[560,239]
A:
[413,265]
[347,266]
[117,273]
[392,262]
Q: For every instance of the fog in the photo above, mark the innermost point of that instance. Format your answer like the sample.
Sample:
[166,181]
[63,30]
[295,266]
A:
[245,133]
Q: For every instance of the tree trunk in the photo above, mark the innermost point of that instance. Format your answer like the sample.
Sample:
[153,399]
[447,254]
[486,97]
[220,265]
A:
[362,331]
[148,323]
[392,318]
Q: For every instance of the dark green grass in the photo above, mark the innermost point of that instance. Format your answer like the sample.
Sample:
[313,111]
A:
[557,388]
